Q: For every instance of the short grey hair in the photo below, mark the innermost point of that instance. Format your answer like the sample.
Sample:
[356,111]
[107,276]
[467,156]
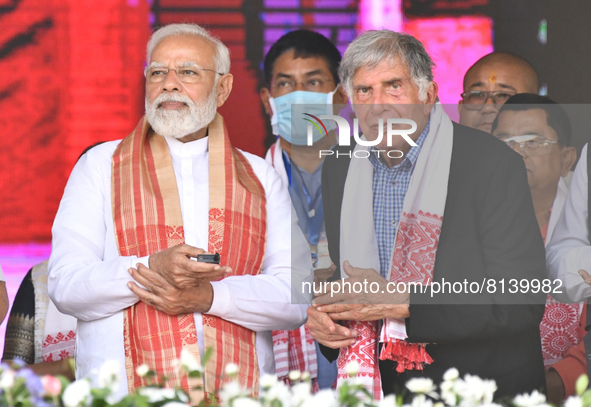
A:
[375,46]
[222,62]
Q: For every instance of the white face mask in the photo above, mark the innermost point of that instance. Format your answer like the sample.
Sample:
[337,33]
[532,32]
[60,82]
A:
[295,130]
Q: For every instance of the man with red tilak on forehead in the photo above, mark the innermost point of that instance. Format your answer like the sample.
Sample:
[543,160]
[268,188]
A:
[488,83]
[137,213]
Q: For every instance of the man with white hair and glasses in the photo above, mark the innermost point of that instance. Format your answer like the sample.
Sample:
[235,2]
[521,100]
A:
[139,217]
[453,206]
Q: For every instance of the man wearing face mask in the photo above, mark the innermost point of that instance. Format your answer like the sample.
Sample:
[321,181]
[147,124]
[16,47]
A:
[301,68]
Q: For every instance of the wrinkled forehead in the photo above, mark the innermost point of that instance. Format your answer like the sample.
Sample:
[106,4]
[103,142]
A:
[184,48]
[391,66]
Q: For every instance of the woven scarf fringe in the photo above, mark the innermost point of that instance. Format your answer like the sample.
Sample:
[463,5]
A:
[409,356]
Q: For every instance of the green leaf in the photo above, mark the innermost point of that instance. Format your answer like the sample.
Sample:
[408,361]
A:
[586,398]
[582,384]
[140,402]
[206,356]
[72,364]
[64,381]
[131,401]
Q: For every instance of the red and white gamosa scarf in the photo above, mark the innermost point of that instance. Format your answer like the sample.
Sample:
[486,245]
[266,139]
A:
[147,217]
[414,252]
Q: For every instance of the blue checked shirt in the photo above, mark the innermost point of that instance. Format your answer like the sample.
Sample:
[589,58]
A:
[389,189]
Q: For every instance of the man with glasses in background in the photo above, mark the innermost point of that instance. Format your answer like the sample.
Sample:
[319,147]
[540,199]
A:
[540,131]
[302,68]
[488,84]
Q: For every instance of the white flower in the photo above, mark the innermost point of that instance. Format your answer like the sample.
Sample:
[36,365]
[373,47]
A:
[352,368]
[280,392]
[300,392]
[231,369]
[267,380]
[473,390]
[177,365]
[530,400]
[7,379]
[76,393]
[421,400]
[422,385]
[448,393]
[109,374]
[189,362]
[230,391]
[355,381]
[156,395]
[573,401]
[114,398]
[109,377]
[174,404]
[294,375]
[439,404]
[306,376]
[245,402]
[142,370]
[182,396]
[388,401]
[449,398]
[451,374]
[324,398]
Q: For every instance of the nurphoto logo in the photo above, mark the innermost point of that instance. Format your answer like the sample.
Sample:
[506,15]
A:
[344,138]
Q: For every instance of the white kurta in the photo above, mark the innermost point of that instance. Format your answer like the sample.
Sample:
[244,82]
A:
[569,249]
[274,157]
[87,277]
[557,205]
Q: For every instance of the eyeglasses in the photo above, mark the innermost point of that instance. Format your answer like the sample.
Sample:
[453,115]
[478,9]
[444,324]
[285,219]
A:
[475,99]
[311,85]
[531,145]
[185,75]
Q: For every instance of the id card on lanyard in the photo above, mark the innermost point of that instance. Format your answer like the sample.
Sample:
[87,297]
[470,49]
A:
[312,205]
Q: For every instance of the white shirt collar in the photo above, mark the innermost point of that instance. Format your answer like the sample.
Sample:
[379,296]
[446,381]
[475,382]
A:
[177,147]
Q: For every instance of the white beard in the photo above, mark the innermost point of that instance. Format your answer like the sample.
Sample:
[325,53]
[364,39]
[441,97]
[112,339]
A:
[179,123]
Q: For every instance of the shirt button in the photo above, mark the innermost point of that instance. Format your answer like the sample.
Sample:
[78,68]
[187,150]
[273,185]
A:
[394,182]
[394,223]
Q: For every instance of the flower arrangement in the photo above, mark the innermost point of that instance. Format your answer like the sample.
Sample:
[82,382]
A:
[20,387]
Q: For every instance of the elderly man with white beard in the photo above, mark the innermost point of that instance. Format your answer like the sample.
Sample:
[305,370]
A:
[138,215]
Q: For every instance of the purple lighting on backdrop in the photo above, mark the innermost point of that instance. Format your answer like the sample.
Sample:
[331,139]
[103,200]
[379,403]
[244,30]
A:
[454,43]
[319,4]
